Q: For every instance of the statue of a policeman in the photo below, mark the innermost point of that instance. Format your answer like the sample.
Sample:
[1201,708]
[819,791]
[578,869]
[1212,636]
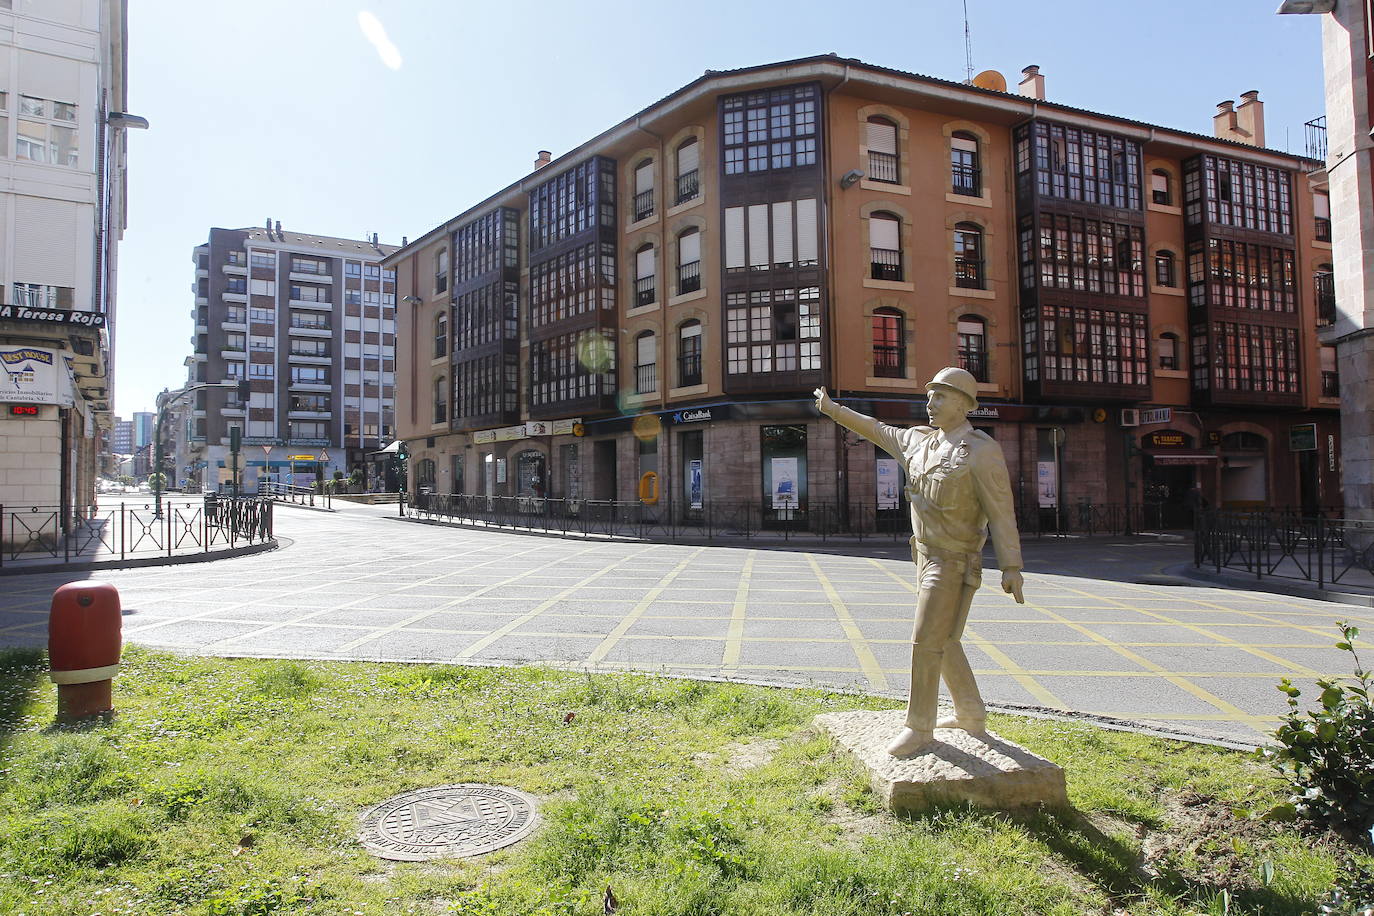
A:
[958,488]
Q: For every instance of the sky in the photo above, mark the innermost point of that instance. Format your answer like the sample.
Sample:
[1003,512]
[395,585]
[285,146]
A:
[344,119]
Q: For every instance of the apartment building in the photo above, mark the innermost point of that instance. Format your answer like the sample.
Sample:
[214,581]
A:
[654,308]
[63,117]
[310,322]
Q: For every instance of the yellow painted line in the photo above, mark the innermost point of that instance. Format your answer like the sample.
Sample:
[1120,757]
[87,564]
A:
[1018,674]
[871,669]
[512,625]
[638,610]
[738,612]
[1292,667]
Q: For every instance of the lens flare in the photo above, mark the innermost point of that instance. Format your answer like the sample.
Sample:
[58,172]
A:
[595,352]
[646,427]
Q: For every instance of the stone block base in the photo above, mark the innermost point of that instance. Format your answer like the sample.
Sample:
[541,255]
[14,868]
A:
[983,769]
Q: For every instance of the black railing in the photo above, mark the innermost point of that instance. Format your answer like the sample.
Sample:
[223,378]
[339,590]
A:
[644,205]
[1323,229]
[46,536]
[1316,138]
[888,362]
[689,369]
[968,273]
[722,520]
[886,264]
[1325,285]
[1331,384]
[688,277]
[688,186]
[646,291]
[301,496]
[646,378]
[975,362]
[966,179]
[882,167]
[1316,546]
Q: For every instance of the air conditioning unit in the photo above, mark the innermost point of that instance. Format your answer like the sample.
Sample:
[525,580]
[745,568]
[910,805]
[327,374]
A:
[1130,416]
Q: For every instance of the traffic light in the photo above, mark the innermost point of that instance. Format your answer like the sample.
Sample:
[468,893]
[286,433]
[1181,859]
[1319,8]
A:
[245,388]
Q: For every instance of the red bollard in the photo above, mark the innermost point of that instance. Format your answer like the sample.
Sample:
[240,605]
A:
[84,642]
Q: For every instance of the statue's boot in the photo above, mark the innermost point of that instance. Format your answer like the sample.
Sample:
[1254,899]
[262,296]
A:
[969,712]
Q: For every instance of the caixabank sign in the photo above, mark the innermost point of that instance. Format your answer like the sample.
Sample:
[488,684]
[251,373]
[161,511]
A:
[35,375]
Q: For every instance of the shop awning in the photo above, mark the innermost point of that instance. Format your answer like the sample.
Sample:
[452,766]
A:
[1167,458]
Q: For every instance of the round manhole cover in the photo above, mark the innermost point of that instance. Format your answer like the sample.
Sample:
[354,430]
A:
[447,822]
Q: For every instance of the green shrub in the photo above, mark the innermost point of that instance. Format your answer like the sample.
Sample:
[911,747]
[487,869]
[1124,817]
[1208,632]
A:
[1353,893]
[1327,754]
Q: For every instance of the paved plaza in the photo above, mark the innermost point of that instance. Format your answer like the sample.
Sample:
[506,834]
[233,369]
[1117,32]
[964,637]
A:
[1105,630]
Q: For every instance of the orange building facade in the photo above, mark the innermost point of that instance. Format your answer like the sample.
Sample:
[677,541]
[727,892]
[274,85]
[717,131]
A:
[648,313]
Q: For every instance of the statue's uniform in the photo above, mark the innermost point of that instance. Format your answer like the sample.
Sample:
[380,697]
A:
[957,485]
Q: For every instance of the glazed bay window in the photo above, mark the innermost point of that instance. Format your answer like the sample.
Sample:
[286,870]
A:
[1254,358]
[688,174]
[965,171]
[1074,164]
[1089,255]
[889,343]
[646,284]
[688,261]
[1240,194]
[1224,272]
[646,363]
[885,247]
[689,353]
[644,191]
[773,331]
[973,346]
[1092,345]
[769,130]
[793,241]
[968,256]
[881,136]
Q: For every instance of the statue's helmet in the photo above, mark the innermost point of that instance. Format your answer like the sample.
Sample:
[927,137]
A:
[955,379]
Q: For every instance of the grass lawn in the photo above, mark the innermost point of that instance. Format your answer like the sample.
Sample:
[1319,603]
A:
[234,786]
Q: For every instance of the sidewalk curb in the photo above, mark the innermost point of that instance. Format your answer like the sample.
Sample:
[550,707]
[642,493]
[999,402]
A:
[1273,586]
[141,562]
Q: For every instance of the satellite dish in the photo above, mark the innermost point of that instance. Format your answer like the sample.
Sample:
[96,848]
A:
[991,79]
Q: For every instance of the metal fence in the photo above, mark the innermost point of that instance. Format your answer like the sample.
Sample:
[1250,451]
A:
[131,530]
[303,496]
[1313,547]
[733,520]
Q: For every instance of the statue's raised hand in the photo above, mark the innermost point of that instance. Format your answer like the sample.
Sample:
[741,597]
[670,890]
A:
[823,402]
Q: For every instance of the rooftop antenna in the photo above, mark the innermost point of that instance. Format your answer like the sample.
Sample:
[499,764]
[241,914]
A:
[968,48]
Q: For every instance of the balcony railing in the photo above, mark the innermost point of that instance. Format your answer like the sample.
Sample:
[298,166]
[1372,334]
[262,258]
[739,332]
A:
[888,362]
[1323,229]
[966,179]
[975,362]
[644,205]
[1316,138]
[968,273]
[886,264]
[689,277]
[646,378]
[646,291]
[882,167]
[1325,285]
[688,186]
[689,369]
[440,412]
[1331,384]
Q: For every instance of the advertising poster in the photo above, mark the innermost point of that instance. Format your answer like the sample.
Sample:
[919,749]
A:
[29,375]
[500,470]
[785,493]
[695,490]
[889,483]
[1047,484]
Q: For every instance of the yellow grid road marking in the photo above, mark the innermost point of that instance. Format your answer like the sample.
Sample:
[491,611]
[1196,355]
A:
[1009,666]
[867,662]
[638,610]
[511,626]
[738,612]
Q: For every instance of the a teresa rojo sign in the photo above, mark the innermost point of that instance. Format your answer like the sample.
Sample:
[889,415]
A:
[34,375]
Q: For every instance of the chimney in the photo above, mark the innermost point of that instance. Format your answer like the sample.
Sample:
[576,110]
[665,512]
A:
[1224,121]
[405,240]
[279,230]
[545,157]
[374,240]
[1032,83]
[1250,118]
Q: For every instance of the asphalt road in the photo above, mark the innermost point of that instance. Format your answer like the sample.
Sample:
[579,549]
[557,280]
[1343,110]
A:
[1105,629]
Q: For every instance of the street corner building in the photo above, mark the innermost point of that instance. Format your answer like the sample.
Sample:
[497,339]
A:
[310,322]
[63,121]
[647,315]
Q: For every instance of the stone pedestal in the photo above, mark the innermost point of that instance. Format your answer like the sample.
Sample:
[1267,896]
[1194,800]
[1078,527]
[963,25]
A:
[983,769]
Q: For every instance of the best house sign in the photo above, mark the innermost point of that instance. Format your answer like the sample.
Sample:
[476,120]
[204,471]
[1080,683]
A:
[34,375]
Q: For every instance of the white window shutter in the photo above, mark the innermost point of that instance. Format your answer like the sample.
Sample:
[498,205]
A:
[689,248]
[884,232]
[734,237]
[882,138]
[644,264]
[46,247]
[782,232]
[758,235]
[647,349]
[688,158]
[644,178]
[807,242]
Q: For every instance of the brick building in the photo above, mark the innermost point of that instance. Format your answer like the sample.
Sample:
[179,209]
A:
[1139,304]
[309,320]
